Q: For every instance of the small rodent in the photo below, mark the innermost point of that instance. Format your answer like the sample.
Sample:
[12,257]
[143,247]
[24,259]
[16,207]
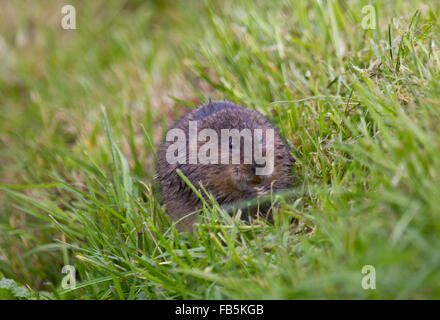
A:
[228,183]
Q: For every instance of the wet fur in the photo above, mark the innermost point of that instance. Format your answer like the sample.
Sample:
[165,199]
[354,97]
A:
[219,179]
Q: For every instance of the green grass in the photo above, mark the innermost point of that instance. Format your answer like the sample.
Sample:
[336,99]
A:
[83,111]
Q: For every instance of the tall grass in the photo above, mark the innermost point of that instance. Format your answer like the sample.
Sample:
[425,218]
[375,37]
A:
[359,109]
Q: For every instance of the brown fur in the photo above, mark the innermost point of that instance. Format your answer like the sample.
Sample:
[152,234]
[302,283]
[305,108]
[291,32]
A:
[228,183]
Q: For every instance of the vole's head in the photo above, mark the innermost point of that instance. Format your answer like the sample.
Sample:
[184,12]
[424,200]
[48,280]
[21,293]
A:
[252,158]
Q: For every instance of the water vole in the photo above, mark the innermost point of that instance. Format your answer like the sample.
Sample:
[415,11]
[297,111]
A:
[226,181]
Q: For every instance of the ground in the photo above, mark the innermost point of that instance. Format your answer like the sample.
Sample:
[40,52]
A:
[353,87]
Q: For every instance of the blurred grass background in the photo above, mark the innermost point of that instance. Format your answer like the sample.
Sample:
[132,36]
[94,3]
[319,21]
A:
[359,109]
